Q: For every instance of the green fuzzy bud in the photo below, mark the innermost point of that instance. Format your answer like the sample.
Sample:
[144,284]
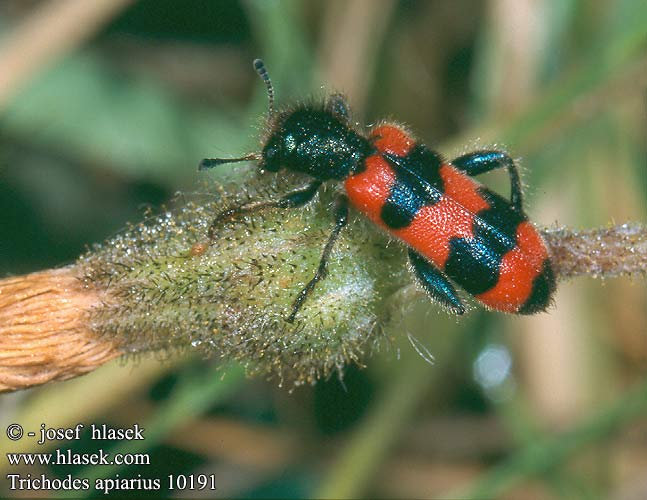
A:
[166,287]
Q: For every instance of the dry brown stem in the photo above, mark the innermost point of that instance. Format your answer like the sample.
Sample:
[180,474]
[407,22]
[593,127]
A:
[43,331]
[606,253]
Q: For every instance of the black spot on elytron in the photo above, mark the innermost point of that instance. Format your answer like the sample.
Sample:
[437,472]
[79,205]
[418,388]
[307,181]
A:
[318,143]
[543,287]
[417,184]
[497,225]
[474,263]
[400,208]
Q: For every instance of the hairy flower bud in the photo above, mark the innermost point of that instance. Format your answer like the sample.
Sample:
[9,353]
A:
[167,287]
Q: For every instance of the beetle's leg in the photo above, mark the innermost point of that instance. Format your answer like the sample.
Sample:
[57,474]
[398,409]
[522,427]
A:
[435,283]
[341,219]
[479,162]
[293,199]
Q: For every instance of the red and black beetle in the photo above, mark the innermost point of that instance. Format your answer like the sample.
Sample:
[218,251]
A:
[456,229]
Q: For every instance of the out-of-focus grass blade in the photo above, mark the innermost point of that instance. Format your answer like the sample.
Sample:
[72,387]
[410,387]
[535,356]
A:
[135,128]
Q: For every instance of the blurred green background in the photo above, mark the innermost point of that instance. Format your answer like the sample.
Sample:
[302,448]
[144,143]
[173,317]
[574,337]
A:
[107,106]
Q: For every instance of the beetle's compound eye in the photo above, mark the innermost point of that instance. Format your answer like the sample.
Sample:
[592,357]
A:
[271,161]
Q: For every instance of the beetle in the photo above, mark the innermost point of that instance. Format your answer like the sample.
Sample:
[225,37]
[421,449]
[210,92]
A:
[456,230]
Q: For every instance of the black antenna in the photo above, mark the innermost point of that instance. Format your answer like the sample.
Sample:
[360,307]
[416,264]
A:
[214,162]
[259,66]
[208,163]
